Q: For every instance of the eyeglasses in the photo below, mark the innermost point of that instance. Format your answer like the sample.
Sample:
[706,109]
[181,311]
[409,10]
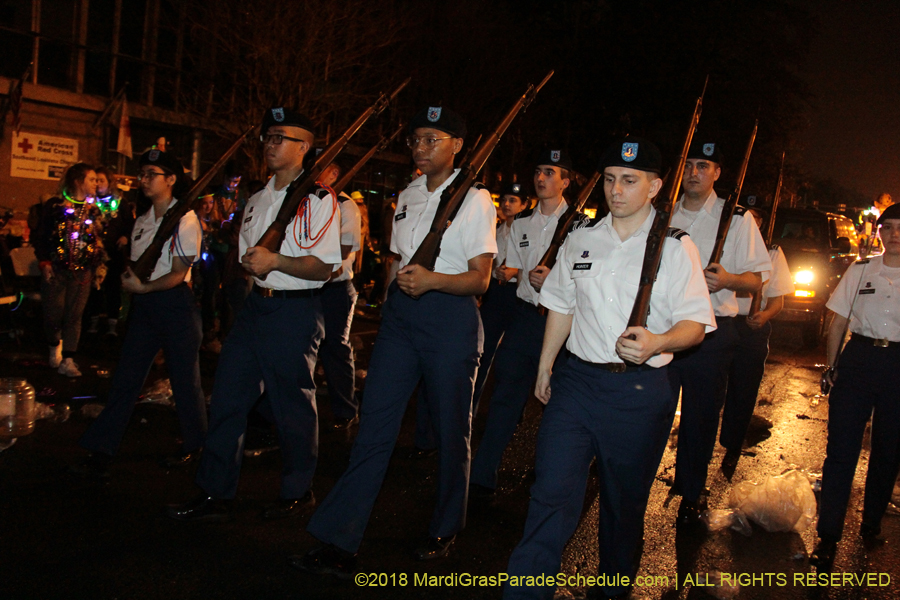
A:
[429,142]
[276,138]
[148,175]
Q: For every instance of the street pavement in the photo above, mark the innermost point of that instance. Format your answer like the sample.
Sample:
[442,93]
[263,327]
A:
[62,536]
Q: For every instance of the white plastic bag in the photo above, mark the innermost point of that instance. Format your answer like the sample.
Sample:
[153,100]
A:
[720,518]
[782,503]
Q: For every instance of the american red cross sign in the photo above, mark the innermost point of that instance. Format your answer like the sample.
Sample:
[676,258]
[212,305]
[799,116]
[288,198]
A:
[25,146]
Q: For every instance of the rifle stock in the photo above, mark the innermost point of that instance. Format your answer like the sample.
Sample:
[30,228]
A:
[453,195]
[274,235]
[562,227]
[756,302]
[731,203]
[143,266]
[657,234]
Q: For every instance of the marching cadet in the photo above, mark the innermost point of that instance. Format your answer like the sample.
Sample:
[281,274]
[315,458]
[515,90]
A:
[598,405]
[338,302]
[517,358]
[864,385]
[163,315]
[752,347]
[276,335]
[701,373]
[431,331]
[498,303]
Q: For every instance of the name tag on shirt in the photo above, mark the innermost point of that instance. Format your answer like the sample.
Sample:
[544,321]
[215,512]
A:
[867,291]
[582,266]
[523,244]
[400,216]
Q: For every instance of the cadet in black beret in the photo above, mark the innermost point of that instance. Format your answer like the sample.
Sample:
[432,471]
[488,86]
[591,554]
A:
[284,117]
[632,153]
[164,160]
[554,156]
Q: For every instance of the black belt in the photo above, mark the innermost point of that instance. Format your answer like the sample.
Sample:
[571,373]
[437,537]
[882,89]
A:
[529,306]
[614,367]
[873,342]
[270,293]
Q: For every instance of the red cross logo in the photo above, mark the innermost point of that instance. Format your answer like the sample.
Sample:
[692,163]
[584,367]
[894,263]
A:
[25,146]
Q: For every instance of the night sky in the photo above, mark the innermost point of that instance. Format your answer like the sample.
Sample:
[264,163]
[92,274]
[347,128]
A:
[854,74]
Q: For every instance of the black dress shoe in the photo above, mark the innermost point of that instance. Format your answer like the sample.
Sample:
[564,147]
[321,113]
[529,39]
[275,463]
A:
[177,461]
[434,548]
[344,424]
[822,557]
[689,512]
[201,509]
[326,560]
[730,463]
[869,530]
[95,464]
[288,507]
[419,453]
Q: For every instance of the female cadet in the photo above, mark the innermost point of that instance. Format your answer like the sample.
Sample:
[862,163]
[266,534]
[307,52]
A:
[163,315]
[868,295]
[69,249]
[749,363]
[498,304]
[430,330]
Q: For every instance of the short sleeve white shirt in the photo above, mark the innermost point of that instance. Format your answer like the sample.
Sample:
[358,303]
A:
[528,240]
[502,238]
[596,279]
[744,251]
[876,313]
[471,234]
[779,284]
[319,235]
[184,243]
[351,234]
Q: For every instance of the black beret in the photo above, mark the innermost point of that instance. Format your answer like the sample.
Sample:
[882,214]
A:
[440,118]
[705,150]
[280,115]
[164,160]
[513,188]
[554,156]
[891,212]
[632,153]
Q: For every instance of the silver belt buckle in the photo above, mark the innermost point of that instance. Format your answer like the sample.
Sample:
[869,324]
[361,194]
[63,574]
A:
[882,343]
[617,367]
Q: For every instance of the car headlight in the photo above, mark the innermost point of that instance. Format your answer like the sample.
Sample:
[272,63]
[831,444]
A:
[804,277]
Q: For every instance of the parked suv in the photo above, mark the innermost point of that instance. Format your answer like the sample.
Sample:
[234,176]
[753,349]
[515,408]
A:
[819,246]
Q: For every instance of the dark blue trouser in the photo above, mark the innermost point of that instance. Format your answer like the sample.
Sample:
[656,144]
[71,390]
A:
[701,375]
[437,338]
[273,342]
[497,309]
[744,376]
[167,320]
[866,386]
[517,364]
[336,353]
[622,419]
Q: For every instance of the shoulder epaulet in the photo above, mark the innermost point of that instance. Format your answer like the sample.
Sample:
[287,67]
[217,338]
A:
[674,232]
[321,193]
[774,247]
[479,186]
[863,261]
[342,197]
[580,221]
[739,210]
[525,213]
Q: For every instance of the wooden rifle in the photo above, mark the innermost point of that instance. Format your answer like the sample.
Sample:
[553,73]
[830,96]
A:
[453,195]
[379,147]
[565,222]
[731,203]
[756,302]
[660,227]
[144,265]
[297,191]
